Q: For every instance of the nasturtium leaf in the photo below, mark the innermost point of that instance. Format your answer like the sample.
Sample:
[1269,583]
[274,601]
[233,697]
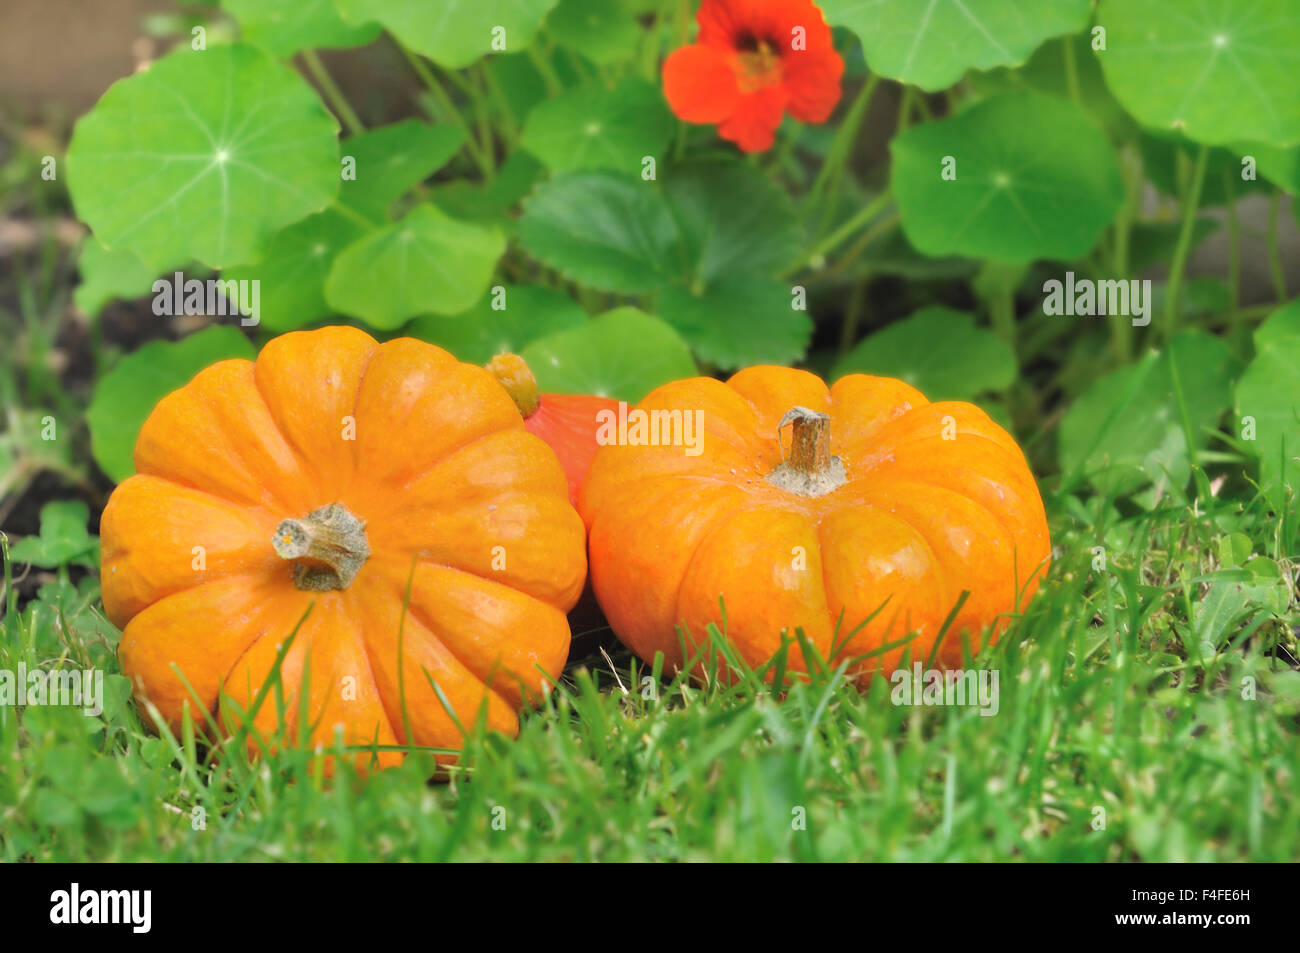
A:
[608,230]
[1282,323]
[932,43]
[1126,429]
[731,219]
[706,220]
[454,33]
[601,30]
[1269,393]
[938,351]
[492,202]
[1218,70]
[204,155]
[739,321]
[1154,243]
[292,276]
[1165,154]
[390,160]
[1279,166]
[1034,178]
[597,126]
[1048,71]
[502,321]
[624,354]
[428,263]
[125,396]
[283,27]
[63,538]
[112,275]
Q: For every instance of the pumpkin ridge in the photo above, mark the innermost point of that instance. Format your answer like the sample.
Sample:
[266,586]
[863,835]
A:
[417,612]
[398,490]
[997,518]
[352,600]
[482,578]
[934,562]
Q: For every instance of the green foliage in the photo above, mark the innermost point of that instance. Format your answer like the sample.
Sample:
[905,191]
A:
[623,354]
[1223,72]
[453,33]
[938,351]
[1033,178]
[127,394]
[204,155]
[63,539]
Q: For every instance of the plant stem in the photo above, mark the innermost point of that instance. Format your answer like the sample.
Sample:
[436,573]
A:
[841,146]
[1274,255]
[1071,70]
[435,88]
[1191,202]
[332,93]
[835,238]
[1234,250]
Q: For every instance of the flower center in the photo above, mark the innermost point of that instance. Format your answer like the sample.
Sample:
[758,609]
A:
[757,64]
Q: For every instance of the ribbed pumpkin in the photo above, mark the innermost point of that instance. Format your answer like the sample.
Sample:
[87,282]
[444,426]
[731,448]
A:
[567,422]
[813,507]
[330,473]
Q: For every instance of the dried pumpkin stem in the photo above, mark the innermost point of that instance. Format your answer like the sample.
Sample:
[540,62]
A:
[513,373]
[810,470]
[327,548]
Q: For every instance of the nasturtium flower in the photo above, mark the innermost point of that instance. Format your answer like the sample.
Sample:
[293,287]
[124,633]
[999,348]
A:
[753,61]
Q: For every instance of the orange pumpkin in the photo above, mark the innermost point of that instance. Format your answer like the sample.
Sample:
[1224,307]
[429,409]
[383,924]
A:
[333,473]
[815,508]
[567,422]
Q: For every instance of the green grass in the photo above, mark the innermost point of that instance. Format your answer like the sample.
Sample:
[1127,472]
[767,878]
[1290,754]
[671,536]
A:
[1121,702]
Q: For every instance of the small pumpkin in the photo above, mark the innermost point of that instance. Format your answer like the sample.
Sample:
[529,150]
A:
[334,473]
[811,507]
[567,422]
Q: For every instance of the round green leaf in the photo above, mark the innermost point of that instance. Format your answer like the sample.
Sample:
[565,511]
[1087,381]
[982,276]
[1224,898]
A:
[112,275]
[428,263]
[1034,178]
[1165,155]
[292,276]
[932,43]
[938,351]
[503,321]
[623,354]
[454,33]
[601,229]
[391,160]
[598,29]
[1269,392]
[731,219]
[739,321]
[283,27]
[204,155]
[1282,323]
[709,220]
[126,395]
[1217,70]
[595,126]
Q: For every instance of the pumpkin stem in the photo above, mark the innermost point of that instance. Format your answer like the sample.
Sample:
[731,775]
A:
[810,469]
[513,373]
[327,548]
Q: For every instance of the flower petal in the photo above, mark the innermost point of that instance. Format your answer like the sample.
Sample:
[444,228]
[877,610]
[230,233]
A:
[753,124]
[700,85]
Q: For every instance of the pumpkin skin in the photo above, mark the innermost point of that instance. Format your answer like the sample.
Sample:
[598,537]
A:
[567,422]
[440,470]
[916,520]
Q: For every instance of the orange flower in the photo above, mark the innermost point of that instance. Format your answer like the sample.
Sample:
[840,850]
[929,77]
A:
[752,61]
